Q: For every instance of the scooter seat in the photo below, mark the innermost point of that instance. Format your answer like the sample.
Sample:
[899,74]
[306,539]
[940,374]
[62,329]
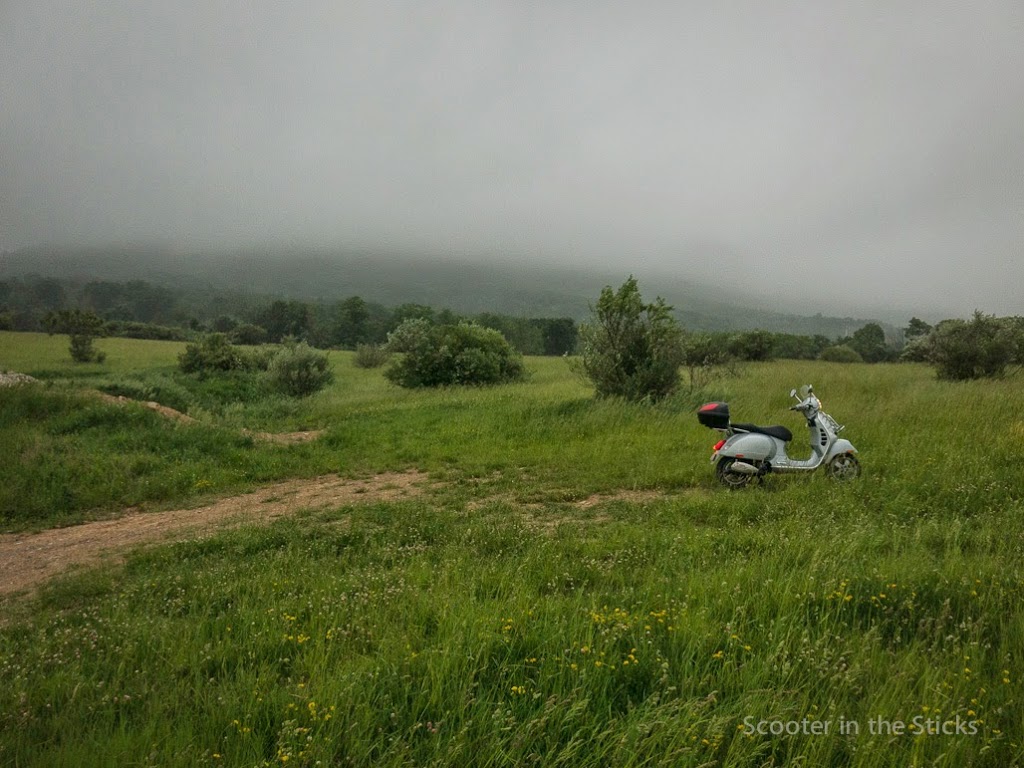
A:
[778,431]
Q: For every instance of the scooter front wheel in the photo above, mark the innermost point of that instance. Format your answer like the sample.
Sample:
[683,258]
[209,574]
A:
[729,477]
[844,467]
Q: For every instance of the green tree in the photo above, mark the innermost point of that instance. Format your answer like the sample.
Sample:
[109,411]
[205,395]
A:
[631,349]
[247,333]
[980,348]
[285,318]
[559,334]
[869,343]
[224,324]
[48,294]
[704,355]
[351,321]
[405,312]
[82,327]
[525,336]
[752,345]
[916,328]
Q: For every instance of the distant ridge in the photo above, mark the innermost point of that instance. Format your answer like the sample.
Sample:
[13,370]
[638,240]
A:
[520,289]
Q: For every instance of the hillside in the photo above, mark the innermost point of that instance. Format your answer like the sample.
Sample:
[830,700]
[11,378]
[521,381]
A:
[521,289]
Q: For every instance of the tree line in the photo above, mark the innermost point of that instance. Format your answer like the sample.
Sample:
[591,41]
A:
[138,309]
[981,346]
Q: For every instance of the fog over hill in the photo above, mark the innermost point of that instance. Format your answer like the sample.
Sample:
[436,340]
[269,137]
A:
[514,288]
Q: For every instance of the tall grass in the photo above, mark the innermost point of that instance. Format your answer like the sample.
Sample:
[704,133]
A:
[499,621]
[633,634]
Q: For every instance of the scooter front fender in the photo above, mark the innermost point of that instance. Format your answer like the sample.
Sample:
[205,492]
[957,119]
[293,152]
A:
[838,447]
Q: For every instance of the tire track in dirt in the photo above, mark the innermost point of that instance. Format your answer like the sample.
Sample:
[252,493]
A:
[29,559]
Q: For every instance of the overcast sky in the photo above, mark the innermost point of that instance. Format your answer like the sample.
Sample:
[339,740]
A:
[870,153]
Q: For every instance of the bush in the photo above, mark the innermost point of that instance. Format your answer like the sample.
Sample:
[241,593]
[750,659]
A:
[258,359]
[370,356]
[630,349]
[917,350]
[211,353]
[299,370]
[82,350]
[980,348]
[439,355]
[840,353]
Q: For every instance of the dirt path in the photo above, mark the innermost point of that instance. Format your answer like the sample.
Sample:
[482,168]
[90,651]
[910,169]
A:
[29,559]
[284,438]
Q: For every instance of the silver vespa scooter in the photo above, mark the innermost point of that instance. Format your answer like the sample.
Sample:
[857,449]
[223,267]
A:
[749,451]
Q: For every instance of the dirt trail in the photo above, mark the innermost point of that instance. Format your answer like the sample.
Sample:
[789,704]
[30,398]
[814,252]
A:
[29,559]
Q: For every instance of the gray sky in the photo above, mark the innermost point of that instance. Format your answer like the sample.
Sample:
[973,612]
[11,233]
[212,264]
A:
[870,153]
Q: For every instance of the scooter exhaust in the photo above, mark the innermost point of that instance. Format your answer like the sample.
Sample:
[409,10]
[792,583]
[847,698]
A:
[743,468]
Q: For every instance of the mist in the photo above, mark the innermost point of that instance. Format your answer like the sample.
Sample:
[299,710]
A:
[827,157]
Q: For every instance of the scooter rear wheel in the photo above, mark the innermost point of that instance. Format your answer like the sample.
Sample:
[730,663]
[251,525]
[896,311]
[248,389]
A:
[729,478]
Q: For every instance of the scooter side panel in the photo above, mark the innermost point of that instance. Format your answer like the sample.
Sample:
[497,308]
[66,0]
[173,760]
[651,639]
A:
[749,446]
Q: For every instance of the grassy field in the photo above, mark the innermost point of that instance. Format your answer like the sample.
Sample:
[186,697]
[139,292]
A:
[496,621]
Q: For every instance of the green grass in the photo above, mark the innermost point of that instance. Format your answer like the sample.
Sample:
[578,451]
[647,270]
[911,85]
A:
[496,622]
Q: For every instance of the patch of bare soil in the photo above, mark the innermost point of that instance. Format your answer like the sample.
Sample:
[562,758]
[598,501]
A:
[634,496]
[536,514]
[12,379]
[285,438]
[27,560]
[281,438]
[163,410]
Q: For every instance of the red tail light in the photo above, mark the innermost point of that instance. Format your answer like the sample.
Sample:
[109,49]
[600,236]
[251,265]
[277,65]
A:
[718,446]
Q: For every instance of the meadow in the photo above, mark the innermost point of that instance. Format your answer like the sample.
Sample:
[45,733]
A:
[499,620]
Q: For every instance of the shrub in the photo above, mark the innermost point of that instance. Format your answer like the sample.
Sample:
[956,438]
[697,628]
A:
[917,350]
[370,356]
[840,353]
[258,359]
[211,353]
[979,348]
[630,349]
[82,350]
[438,355]
[299,370]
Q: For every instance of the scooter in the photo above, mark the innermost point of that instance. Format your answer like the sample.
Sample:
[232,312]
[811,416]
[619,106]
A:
[749,451]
